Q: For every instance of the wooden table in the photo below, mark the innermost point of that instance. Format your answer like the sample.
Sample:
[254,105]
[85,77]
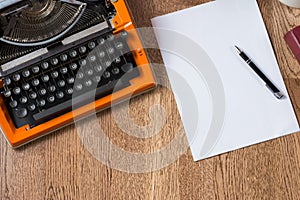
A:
[59,167]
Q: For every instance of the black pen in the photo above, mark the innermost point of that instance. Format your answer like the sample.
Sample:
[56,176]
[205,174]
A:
[267,81]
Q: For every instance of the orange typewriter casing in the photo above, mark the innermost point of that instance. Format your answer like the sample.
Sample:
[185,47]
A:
[146,81]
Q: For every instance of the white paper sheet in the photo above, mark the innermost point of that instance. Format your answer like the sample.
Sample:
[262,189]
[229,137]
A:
[252,113]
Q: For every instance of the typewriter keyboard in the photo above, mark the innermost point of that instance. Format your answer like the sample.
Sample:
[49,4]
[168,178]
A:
[75,77]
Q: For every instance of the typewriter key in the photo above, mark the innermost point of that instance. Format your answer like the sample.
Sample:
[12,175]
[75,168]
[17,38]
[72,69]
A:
[41,103]
[32,95]
[73,53]
[26,86]
[43,92]
[73,66]
[45,78]
[64,70]
[21,112]
[106,74]
[26,73]
[45,65]
[82,62]
[101,41]
[52,88]
[111,50]
[82,49]
[70,80]
[54,61]
[13,104]
[60,95]
[35,69]
[64,57]
[51,99]
[119,45]
[90,72]
[69,91]
[92,58]
[107,63]
[98,68]
[80,75]
[88,83]
[54,74]
[97,79]
[23,100]
[61,83]
[110,37]
[79,87]
[7,93]
[118,60]
[7,81]
[17,91]
[16,77]
[102,54]
[92,45]
[35,82]
[116,71]
[31,107]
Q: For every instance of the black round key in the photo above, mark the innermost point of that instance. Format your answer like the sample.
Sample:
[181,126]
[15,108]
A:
[60,95]
[32,95]
[106,74]
[82,62]
[70,80]
[17,91]
[35,82]
[51,99]
[92,58]
[21,112]
[101,54]
[64,57]
[35,69]
[13,104]
[52,88]
[97,79]
[45,65]
[69,91]
[118,60]
[124,34]
[88,83]
[80,75]
[7,81]
[115,71]
[54,61]
[31,107]
[7,93]
[73,66]
[98,68]
[16,77]
[64,70]
[26,73]
[45,78]
[73,53]
[119,45]
[54,74]
[111,50]
[82,49]
[110,37]
[127,67]
[41,103]
[61,83]
[90,72]
[43,92]
[101,41]
[23,100]
[92,45]
[79,87]
[26,86]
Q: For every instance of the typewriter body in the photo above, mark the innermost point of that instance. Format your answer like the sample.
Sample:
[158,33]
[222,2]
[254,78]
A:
[64,59]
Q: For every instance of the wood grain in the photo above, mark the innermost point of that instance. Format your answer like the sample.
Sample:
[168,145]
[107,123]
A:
[58,166]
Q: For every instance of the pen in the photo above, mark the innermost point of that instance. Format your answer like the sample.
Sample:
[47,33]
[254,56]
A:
[267,81]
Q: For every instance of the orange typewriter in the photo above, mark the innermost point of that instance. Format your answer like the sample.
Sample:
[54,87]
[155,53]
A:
[63,59]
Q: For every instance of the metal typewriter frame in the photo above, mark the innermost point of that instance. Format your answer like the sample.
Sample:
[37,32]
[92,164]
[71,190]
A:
[17,137]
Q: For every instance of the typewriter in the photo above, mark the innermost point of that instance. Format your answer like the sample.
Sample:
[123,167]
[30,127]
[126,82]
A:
[64,59]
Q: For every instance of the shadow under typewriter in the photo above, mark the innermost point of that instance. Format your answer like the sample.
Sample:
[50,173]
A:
[48,73]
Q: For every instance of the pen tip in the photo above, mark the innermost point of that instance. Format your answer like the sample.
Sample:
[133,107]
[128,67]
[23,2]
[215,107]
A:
[238,49]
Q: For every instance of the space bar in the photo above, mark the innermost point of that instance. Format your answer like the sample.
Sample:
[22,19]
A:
[78,101]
